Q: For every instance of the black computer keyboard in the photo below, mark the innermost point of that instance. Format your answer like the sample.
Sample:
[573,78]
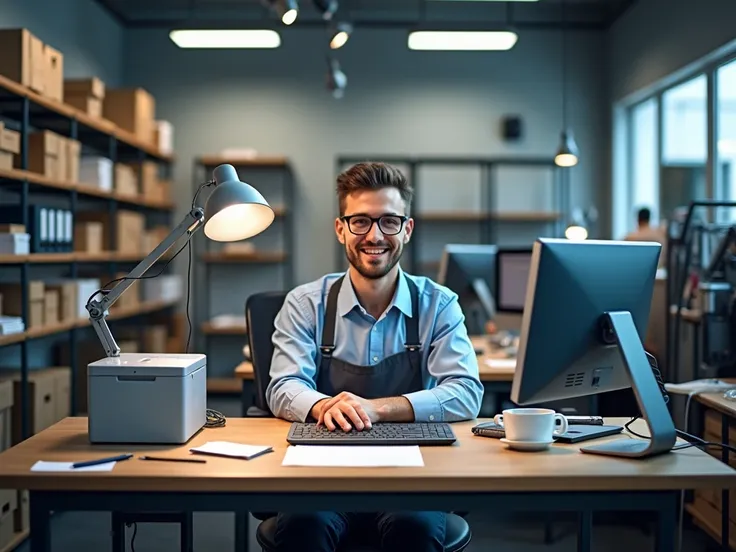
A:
[419,433]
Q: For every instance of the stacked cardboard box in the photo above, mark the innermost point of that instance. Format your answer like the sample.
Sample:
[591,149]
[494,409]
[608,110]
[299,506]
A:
[53,155]
[30,62]
[126,180]
[130,227]
[12,302]
[50,303]
[133,110]
[9,146]
[67,297]
[86,95]
[89,237]
[152,187]
[14,240]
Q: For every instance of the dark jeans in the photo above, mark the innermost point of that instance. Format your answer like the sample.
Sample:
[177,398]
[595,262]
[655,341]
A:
[393,531]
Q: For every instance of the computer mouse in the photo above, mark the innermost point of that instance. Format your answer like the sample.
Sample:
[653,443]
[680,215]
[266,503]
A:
[479,351]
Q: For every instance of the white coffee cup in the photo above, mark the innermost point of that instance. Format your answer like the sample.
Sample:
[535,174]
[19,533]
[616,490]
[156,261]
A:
[536,425]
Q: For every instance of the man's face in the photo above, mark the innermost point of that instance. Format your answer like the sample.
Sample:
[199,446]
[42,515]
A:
[375,253]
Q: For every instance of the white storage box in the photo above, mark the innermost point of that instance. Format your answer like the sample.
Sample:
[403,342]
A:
[147,398]
[15,244]
[96,172]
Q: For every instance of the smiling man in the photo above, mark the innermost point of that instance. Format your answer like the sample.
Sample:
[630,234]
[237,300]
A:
[372,345]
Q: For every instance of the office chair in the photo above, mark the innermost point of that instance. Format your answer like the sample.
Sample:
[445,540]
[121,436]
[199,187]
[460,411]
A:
[260,312]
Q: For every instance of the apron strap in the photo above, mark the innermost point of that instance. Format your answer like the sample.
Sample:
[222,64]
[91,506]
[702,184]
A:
[412,324]
[328,330]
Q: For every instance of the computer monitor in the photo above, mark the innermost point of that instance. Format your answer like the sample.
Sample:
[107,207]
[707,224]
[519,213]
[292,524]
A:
[469,271]
[512,273]
[585,318]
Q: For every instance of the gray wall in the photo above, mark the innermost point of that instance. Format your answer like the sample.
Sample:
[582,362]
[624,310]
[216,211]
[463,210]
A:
[397,102]
[90,39]
[656,38]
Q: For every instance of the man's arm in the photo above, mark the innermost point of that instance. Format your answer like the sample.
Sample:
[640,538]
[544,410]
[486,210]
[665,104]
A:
[292,392]
[452,361]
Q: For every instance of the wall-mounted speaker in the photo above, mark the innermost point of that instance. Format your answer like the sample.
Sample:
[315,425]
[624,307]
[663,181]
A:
[512,128]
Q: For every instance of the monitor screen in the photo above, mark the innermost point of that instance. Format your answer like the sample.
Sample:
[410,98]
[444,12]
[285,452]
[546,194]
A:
[512,268]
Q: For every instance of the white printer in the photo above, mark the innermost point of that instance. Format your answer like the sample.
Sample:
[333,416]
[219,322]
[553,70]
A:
[147,398]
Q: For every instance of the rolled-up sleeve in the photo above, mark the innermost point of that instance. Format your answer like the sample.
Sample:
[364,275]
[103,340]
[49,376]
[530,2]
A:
[292,390]
[452,362]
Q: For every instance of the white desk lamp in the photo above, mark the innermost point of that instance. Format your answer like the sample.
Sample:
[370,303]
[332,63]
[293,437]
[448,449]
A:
[162,398]
[234,211]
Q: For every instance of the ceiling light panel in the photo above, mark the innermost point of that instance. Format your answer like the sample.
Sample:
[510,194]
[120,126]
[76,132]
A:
[462,40]
[230,38]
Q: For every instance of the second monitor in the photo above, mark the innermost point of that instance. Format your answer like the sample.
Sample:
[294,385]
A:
[512,274]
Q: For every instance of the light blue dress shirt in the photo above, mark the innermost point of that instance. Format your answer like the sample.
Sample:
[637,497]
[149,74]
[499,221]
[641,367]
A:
[452,388]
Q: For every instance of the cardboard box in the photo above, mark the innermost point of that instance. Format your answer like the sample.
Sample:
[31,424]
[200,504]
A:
[9,140]
[133,110]
[129,232]
[23,59]
[163,137]
[89,237]
[8,505]
[126,180]
[36,297]
[44,148]
[62,376]
[7,161]
[51,307]
[12,229]
[155,339]
[73,156]
[54,73]
[41,393]
[92,87]
[128,300]
[67,291]
[91,106]
[6,406]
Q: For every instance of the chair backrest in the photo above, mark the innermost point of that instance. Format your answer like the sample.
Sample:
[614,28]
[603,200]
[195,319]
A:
[260,312]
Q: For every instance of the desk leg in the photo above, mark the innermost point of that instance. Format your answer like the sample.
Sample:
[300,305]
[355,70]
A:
[187,532]
[664,538]
[585,531]
[40,518]
[117,531]
[725,501]
[241,532]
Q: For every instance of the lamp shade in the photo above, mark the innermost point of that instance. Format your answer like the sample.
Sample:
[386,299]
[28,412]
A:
[235,210]
[567,153]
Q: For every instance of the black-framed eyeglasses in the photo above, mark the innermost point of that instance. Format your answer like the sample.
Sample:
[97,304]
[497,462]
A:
[389,225]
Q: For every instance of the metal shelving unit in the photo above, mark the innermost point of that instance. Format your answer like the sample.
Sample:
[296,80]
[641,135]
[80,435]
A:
[23,110]
[213,261]
[486,221]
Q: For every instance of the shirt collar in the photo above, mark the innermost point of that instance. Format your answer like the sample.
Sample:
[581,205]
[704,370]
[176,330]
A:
[347,300]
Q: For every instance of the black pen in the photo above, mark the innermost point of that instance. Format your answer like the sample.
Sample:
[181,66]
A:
[165,459]
[102,461]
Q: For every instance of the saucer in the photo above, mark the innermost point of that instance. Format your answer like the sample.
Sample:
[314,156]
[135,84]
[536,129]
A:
[527,446]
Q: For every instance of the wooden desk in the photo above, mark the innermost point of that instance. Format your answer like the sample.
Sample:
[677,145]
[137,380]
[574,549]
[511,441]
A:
[477,473]
[495,379]
[712,510]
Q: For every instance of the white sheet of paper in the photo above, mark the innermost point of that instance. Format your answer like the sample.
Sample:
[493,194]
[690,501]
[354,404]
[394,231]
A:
[233,450]
[42,466]
[353,456]
[501,363]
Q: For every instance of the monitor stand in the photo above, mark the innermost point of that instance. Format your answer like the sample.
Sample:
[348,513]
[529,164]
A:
[485,297]
[619,327]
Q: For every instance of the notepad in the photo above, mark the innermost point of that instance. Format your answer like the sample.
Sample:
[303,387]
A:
[42,466]
[232,450]
[353,456]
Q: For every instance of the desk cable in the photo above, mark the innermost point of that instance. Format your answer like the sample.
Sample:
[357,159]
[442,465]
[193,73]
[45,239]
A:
[692,440]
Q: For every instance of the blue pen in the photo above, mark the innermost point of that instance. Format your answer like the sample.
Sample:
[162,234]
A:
[101,461]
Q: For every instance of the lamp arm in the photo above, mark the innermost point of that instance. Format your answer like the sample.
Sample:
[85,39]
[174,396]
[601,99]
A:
[98,309]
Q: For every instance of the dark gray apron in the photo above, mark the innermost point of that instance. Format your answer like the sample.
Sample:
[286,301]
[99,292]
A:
[394,376]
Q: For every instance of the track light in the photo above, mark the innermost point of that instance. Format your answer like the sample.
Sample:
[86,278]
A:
[567,153]
[336,79]
[287,10]
[326,7]
[340,35]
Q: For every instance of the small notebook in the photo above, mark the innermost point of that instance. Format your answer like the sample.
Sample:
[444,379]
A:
[232,450]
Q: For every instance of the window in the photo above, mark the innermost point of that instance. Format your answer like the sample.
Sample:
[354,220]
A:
[644,164]
[685,144]
[725,173]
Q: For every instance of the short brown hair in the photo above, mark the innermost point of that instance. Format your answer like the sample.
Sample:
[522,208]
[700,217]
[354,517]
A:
[371,175]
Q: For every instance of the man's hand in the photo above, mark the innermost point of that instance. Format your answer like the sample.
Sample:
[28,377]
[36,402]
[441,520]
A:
[347,411]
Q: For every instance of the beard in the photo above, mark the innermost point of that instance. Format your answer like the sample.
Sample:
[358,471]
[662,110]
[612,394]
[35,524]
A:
[374,266]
